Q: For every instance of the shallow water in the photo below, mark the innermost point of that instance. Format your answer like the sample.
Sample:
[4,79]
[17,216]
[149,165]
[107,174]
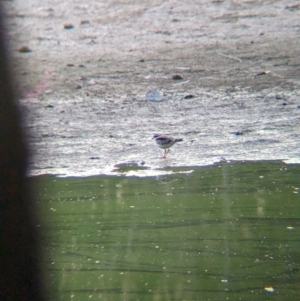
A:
[224,232]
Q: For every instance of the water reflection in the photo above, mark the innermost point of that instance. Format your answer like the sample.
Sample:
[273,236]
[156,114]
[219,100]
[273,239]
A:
[226,232]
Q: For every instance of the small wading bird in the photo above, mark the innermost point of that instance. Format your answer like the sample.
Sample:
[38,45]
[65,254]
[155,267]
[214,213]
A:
[165,142]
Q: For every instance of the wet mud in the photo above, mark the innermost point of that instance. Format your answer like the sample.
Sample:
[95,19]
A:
[227,72]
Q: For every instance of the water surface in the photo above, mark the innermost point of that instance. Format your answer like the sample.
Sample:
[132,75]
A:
[224,232]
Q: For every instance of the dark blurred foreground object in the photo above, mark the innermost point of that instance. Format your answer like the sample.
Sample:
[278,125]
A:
[20,276]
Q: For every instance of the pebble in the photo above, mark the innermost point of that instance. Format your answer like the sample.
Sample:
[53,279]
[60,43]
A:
[239,133]
[68,26]
[24,49]
[85,22]
[177,77]
[189,96]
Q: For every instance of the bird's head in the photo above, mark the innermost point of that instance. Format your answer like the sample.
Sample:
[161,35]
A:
[155,136]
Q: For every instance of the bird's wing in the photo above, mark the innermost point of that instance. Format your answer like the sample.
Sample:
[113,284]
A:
[164,139]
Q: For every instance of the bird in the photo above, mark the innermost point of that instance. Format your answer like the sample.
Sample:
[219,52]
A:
[165,142]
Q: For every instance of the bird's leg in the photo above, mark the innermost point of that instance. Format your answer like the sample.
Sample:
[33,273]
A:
[166,152]
[165,155]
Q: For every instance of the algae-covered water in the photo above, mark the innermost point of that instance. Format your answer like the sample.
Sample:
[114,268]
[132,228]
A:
[224,232]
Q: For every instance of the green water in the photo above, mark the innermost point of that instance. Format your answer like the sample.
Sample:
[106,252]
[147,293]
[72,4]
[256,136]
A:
[225,232]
